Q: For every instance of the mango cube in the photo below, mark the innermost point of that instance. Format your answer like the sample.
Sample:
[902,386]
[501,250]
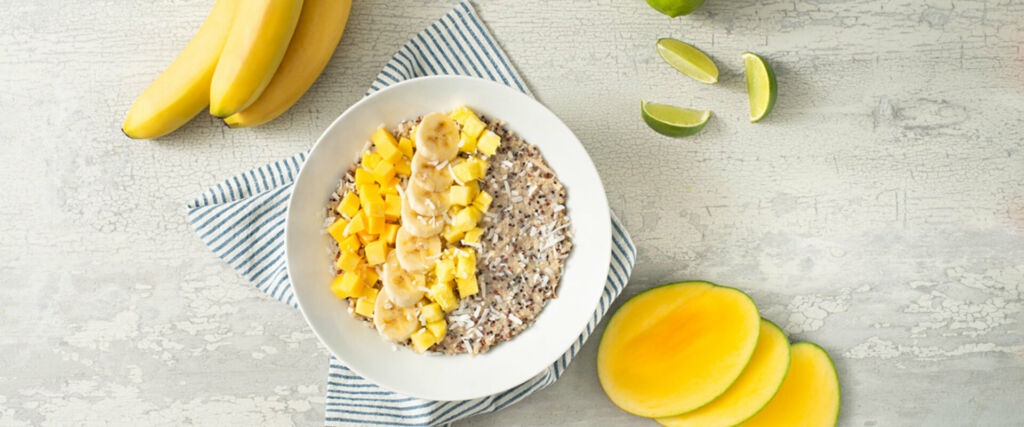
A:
[376,252]
[483,201]
[366,237]
[464,171]
[431,312]
[444,269]
[351,244]
[422,340]
[386,145]
[376,225]
[439,328]
[370,160]
[405,146]
[403,167]
[488,143]
[467,218]
[347,261]
[443,295]
[392,206]
[466,266]
[337,229]
[336,287]
[479,167]
[365,307]
[370,277]
[461,195]
[349,205]
[390,187]
[384,171]
[373,203]
[452,234]
[473,126]
[460,113]
[357,224]
[467,286]
[363,177]
[390,233]
[473,236]
[467,144]
[352,284]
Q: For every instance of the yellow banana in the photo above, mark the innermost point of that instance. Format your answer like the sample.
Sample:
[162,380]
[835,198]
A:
[320,27]
[254,49]
[183,90]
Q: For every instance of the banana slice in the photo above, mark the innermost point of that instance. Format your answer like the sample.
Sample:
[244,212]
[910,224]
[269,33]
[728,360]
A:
[419,225]
[416,254]
[437,138]
[403,288]
[424,201]
[433,176]
[393,321]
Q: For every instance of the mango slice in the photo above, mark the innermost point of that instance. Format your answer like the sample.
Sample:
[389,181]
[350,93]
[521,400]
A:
[809,395]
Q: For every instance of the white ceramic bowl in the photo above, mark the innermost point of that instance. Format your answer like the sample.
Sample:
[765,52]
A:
[448,377]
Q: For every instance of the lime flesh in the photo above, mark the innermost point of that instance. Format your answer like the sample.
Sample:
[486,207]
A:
[688,60]
[673,121]
[761,86]
[674,8]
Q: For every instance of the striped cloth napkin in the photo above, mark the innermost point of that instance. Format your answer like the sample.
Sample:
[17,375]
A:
[242,221]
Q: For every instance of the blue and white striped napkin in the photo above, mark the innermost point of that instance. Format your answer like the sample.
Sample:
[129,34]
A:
[242,220]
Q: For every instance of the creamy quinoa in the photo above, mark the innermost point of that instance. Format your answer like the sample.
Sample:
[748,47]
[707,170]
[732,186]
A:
[521,255]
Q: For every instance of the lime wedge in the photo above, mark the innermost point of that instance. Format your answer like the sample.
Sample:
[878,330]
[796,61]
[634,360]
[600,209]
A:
[688,60]
[673,121]
[674,8]
[761,87]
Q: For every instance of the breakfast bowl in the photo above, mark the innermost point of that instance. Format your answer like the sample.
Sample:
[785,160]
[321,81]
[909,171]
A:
[460,376]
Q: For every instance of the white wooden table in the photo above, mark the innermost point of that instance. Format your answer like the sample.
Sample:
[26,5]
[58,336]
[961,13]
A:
[878,211]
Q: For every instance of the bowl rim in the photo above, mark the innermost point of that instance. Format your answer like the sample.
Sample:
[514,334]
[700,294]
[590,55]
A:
[587,164]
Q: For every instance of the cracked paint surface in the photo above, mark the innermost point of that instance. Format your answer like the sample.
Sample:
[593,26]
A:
[878,211]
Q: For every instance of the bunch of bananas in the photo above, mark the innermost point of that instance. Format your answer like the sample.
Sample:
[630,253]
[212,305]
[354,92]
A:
[250,61]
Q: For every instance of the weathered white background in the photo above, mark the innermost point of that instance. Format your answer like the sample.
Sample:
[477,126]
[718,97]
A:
[878,211]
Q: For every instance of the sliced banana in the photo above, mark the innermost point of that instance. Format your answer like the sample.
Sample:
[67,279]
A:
[426,202]
[437,137]
[419,225]
[405,289]
[416,254]
[393,321]
[434,176]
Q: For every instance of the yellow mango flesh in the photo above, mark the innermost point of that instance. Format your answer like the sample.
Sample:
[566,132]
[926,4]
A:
[677,347]
[760,380]
[809,396]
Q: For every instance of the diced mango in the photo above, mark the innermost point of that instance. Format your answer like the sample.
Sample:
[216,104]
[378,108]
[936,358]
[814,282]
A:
[376,252]
[439,328]
[403,167]
[336,287]
[337,229]
[365,307]
[390,233]
[371,159]
[460,195]
[479,167]
[366,237]
[465,171]
[376,225]
[467,286]
[444,269]
[347,261]
[351,244]
[422,340]
[483,201]
[432,312]
[373,203]
[386,145]
[467,218]
[357,224]
[363,177]
[460,113]
[405,146]
[349,204]
[466,266]
[467,144]
[369,276]
[392,206]
[390,187]
[442,294]
[488,143]
[384,171]
[473,236]
[452,234]
[473,126]
[352,284]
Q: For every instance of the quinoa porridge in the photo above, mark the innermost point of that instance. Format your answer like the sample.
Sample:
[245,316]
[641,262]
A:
[488,229]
